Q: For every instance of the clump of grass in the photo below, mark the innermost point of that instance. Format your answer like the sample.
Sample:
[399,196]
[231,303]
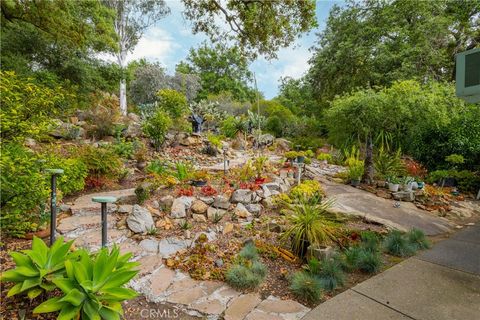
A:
[248,272]
[417,238]
[351,257]
[397,245]
[306,286]
[331,274]
[368,261]
[249,252]
[370,241]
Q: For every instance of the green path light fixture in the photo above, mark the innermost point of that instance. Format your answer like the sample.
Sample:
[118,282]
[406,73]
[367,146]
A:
[104,200]
[53,201]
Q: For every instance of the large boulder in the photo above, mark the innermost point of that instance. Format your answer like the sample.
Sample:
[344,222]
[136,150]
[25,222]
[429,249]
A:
[283,145]
[239,143]
[242,195]
[140,220]
[272,186]
[215,213]
[221,202]
[264,140]
[199,207]
[180,207]
[254,208]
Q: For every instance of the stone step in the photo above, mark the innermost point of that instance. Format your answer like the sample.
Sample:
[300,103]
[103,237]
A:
[84,205]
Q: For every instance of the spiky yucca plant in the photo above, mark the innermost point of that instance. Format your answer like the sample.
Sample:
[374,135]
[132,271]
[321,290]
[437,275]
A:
[310,223]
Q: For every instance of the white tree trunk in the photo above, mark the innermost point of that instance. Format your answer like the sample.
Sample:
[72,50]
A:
[123,97]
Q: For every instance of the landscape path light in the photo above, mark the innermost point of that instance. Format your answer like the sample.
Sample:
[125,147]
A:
[53,201]
[104,200]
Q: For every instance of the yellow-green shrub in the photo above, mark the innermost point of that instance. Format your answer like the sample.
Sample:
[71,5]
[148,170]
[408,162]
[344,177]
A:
[308,189]
[325,156]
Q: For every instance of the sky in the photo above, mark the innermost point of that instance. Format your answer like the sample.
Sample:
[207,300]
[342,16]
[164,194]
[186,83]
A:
[169,41]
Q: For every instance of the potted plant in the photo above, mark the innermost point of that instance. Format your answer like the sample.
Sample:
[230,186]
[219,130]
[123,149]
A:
[355,173]
[200,178]
[291,155]
[407,183]
[393,184]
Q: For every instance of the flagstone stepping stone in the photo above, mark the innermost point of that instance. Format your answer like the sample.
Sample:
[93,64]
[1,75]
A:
[287,309]
[149,245]
[214,307]
[133,247]
[73,223]
[183,284]
[259,315]
[92,239]
[239,307]
[84,205]
[149,263]
[161,280]
[187,296]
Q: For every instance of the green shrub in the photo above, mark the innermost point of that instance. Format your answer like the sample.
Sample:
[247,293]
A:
[233,125]
[396,244]
[368,261]
[467,181]
[124,149]
[351,257]
[417,238]
[325,156]
[74,172]
[308,189]
[370,241]
[355,171]
[36,269]
[142,193]
[27,107]
[214,140]
[248,272]
[105,116]
[156,127]
[306,286]
[158,167]
[331,274]
[24,189]
[93,287]
[101,161]
[249,252]
[172,102]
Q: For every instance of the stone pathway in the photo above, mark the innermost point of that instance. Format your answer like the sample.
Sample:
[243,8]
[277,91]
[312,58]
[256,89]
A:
[353,201]
[206,299]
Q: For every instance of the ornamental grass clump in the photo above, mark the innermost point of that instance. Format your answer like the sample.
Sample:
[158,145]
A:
[417,238]
[398,245]
[306,286]
[368,261]
[331,274]
[247,272]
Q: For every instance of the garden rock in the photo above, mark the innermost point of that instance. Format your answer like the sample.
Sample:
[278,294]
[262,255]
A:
[199,207]
[125,208]
[282,145]
[265,140]
[180,207]
[221,202]
[268,203]
[140,220]
[170,246]
[166,202]
[242,195]
[241,211]
[320,252]
[215,212]
[239,142]
[207,200]
[254,208]
[227,228]
[199,217]
[149,245]
[408,196]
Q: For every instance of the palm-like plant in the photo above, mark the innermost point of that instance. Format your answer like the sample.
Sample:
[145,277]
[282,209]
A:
[310,223]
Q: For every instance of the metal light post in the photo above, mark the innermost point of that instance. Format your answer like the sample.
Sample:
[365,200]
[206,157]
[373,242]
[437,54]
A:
[53,202]
[225,160]
[103,201]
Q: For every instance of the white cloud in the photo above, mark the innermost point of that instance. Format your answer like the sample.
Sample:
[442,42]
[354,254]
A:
[155,45]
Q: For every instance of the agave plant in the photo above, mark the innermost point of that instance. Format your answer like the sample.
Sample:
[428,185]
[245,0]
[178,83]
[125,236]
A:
[93,287]
[37,269]
[310,223]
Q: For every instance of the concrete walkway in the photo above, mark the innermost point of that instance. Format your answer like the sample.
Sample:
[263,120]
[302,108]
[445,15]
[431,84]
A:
[439,284]
[353,201]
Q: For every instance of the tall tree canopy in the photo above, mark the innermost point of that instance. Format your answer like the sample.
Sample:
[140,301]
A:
[371,43]
[258,27]
[221,69]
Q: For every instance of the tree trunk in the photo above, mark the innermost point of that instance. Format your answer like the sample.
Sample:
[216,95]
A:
[123,97]
[368,171]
